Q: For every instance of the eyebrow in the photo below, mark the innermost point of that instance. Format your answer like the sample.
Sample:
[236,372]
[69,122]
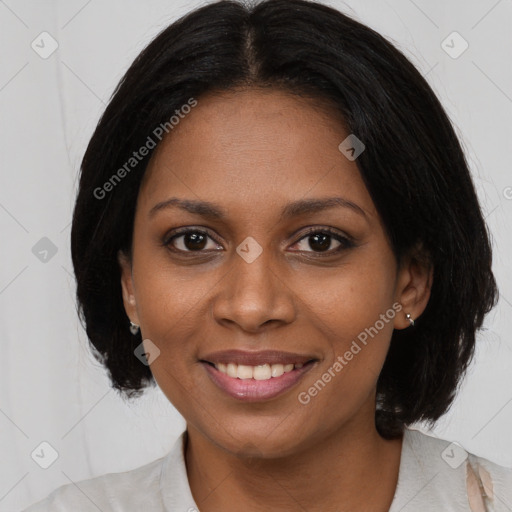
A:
[210,210]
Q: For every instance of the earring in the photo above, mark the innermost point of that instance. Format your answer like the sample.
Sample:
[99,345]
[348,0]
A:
[134,328]
[411,321]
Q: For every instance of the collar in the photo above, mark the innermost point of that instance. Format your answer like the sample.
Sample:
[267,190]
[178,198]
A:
[426,480]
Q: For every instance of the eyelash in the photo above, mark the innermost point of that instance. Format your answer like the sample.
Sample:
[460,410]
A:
[345,242]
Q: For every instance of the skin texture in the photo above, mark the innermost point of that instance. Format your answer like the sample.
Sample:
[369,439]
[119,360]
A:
[252,152]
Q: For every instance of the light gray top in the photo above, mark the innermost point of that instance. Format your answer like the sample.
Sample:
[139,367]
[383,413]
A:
[434,476]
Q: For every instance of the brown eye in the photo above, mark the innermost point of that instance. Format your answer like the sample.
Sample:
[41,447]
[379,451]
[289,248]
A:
[194,241]
[320,241]
[190,241]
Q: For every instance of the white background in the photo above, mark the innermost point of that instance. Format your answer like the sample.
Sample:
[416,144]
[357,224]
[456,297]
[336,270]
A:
[51,389]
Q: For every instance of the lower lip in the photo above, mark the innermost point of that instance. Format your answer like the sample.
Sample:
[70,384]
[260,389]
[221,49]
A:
[252,390]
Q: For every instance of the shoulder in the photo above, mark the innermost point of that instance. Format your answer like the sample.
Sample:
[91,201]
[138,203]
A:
[488,483]
[439,471]
[137,489]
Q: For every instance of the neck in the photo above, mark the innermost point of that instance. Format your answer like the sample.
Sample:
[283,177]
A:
[352,469]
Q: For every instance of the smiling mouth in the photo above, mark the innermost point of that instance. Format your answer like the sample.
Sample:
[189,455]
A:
[264,371]
[256,383]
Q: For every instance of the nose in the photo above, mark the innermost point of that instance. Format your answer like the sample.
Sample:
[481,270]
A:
[253,296]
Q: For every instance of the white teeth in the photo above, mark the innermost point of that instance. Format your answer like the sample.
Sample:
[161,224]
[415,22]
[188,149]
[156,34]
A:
[244,372]
[231,370]
[277,370]
[260,372]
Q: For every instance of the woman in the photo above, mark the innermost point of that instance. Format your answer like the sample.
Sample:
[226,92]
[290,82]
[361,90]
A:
[277,225]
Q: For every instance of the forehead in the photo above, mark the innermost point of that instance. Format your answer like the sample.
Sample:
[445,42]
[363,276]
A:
[254,148]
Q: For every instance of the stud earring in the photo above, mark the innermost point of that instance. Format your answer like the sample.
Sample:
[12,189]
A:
[411,321]
[134,328]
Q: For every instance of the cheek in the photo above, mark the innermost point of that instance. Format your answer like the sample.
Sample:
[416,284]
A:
[354,313]
[353,298]
[170,300]
[172,315]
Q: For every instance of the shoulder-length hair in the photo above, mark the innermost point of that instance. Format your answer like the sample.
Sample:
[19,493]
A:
[413,167]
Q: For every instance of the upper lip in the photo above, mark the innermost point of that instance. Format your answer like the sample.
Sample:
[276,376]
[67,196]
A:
[256,358]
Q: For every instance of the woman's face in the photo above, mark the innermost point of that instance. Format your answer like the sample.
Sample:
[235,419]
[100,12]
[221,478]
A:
[252,279]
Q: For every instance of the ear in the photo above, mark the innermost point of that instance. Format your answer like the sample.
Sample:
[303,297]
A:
[130,305]
[414,284]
